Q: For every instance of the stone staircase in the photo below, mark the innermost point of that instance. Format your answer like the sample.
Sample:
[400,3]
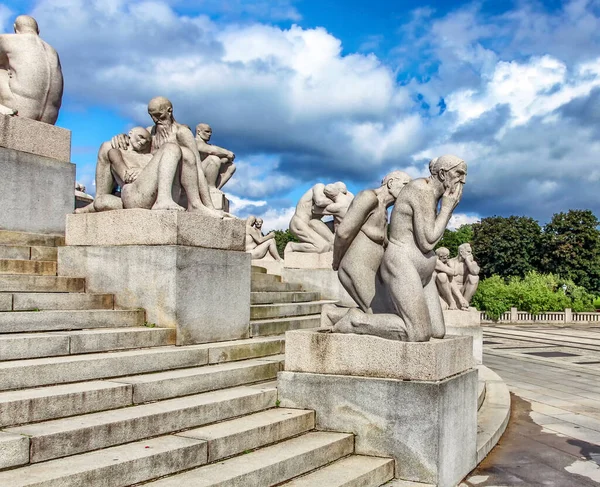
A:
[91,395]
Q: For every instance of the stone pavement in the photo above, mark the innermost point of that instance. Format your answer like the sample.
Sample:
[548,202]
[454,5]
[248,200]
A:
[553,438]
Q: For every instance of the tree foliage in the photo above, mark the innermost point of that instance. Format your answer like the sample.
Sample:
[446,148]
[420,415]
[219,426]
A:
[534,293]
[507,246]
[282,237]
[453,238]
[570,247]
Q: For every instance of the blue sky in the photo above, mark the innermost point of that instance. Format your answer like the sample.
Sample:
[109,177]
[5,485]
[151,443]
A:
[306,91]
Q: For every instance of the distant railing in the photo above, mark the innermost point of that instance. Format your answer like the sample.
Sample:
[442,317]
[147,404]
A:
[566,316]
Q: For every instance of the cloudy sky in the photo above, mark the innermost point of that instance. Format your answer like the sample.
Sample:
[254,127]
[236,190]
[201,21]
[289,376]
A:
[325,90]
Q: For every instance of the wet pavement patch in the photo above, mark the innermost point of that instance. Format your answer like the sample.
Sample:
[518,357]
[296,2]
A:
[553,354]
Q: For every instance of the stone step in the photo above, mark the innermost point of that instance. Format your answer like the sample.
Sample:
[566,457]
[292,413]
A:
[16,346]
[28,267]
[283,310]
[80,434]
[268,466]
[267,278]
[61,301]
[16,374]
[8,237]
[258,270]
[256,430]
[184,382]
[278,326]
[118,466]
[145,460]
[53,402]
[272,286]
[41,284]
[54,320]
[14,450]
[28,253]
[283,297]
[352,471]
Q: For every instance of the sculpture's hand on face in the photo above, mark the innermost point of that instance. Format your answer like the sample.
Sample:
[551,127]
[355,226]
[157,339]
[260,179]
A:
[120,141]
[452,197]
[131,175]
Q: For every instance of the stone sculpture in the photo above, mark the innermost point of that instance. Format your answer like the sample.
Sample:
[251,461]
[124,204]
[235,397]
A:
[466,272]
[320,200]
[158,168]
[444,280]
[217,163]
[361,236]
[406,305]
[31,80]
[257,244]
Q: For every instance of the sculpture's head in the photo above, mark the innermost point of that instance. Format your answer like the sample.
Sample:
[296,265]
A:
[464,251]
[160,110]
[395,181]
[333,189]
[443,254]
[259,223]
[24,24]
[250,221]
[140,139]
[449,170]
[204,131]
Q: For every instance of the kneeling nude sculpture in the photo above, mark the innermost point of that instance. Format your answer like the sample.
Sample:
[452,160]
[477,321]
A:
[406,304]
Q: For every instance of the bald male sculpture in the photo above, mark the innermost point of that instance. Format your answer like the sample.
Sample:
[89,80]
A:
[217,163]
[31,80]
[407,306]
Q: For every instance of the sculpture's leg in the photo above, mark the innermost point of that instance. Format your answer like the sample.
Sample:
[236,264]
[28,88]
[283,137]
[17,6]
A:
[211,165]
[406,292]
[273,250]
[268,247]
[107,202]
[470,287]
[105,181]
[310,241]
[458,295]
[194,183]
[444,289]
[86,209]
[227,170]
[387,326]
[322,229]
[432,298]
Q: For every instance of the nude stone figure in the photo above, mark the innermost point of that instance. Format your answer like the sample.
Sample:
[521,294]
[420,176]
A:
[217,163]
[407,305]
[466,271]
[444,280]
[360,238]
[257,244]
[341,199]
[173,164]
[31,81]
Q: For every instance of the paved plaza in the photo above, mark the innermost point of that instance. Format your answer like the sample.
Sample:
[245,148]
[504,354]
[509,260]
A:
[553,438]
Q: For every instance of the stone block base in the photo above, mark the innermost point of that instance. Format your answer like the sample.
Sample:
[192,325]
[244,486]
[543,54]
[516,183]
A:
[155,227]
[33,137]
[323,352]
[36,192]
[308,260]
[272,266]
[324,281]
[203,293]
[466,323]
[219,200]
[429,428]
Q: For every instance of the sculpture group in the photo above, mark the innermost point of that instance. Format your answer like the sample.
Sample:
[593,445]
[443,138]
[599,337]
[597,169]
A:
[456,279]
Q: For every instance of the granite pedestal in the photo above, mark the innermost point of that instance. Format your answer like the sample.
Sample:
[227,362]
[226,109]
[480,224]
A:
[188,271]
[219,199]
[466,323]
[37,184]
[414,402]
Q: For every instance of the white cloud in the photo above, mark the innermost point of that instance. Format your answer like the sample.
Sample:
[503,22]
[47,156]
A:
[239,204]
[459,219]
[277,219]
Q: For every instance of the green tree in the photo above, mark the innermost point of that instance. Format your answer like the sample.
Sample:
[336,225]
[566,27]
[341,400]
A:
[282,237]
[571,248]
[506,246]
[453,238]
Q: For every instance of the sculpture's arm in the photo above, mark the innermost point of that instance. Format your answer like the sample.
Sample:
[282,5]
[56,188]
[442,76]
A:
[185,138]
[357,215]
[429,227]
[319,198]
[214,150]
[336,208]
[446,269]
[260,238]
[472,266]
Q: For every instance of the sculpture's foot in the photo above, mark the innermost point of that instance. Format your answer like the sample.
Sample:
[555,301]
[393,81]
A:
[453,306]
[220,214]
[167,205]
[346,323]
[11,112]
[85,209]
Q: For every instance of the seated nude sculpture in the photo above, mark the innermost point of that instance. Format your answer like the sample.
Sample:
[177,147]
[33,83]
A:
[361,236]
[466,272]
[444,280]
[314,235]
[217,163]
[31,80]
[257,244]
[406,305]
[152,167]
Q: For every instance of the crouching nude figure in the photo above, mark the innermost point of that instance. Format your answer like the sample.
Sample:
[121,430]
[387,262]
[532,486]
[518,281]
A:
[257,244]
[217,163]
[406,305]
